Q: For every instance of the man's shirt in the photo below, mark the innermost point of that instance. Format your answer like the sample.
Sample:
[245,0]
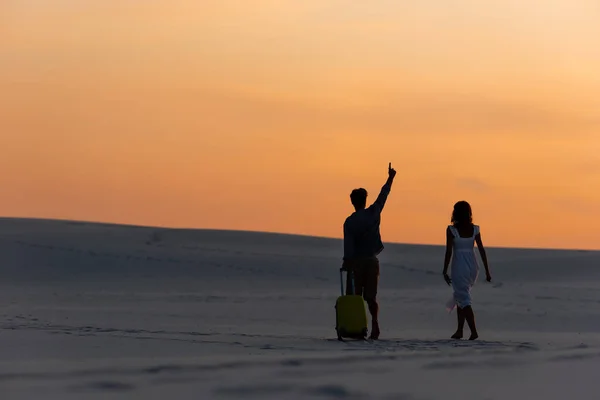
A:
[362,238]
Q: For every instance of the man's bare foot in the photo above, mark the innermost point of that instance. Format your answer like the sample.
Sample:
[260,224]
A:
[375,332]
[457,335]
[473,336]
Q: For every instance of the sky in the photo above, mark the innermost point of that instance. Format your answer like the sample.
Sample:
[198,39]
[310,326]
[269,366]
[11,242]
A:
[263,115]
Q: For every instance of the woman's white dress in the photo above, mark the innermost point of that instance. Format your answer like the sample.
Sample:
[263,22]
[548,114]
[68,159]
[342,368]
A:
[464,268]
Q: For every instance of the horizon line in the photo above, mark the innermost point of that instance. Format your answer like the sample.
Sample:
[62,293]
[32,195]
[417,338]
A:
[141,226]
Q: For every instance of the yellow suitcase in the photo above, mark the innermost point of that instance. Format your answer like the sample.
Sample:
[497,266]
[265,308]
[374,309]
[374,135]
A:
[350,313]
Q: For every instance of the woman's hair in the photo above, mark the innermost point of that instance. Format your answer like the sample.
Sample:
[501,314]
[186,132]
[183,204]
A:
[462,214]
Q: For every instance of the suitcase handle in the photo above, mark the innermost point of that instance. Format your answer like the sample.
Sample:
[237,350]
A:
[342,281]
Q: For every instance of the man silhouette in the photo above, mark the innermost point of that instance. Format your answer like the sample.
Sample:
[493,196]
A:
[362,245]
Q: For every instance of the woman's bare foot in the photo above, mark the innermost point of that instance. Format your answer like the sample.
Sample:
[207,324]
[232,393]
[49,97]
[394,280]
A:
[473,336]
[457,335]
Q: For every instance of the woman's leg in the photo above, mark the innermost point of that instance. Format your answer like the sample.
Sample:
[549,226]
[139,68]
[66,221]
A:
[470,317]
[460,315]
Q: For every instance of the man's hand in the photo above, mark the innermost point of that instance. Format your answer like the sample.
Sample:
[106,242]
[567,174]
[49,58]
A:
[344,266]
[391,171]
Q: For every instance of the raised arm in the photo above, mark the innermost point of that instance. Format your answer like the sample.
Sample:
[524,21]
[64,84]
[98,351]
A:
[391,175]
[448,256]
[385,190]
[483,257]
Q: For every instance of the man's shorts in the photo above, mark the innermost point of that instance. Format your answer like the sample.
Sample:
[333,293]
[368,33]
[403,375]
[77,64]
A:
[366,277]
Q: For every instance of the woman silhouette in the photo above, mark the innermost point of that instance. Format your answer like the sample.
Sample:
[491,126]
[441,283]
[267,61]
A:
[461,237]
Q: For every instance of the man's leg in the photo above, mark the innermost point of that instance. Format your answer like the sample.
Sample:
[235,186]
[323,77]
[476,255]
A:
[354,278]
[370,294]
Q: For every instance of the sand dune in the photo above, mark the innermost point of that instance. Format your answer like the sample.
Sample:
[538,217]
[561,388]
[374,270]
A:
[95,310]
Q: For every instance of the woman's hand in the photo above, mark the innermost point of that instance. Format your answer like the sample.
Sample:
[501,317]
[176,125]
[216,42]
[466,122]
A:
[447,279]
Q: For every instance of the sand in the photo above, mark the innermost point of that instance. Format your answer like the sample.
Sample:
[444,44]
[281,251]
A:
[108,311]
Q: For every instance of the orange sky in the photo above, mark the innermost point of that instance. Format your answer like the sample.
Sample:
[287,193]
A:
[265,114]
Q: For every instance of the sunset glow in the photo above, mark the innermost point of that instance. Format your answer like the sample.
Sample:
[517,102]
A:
[264,114]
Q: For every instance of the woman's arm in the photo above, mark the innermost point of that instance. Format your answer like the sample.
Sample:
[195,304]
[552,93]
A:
[448,256]
[483,256]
